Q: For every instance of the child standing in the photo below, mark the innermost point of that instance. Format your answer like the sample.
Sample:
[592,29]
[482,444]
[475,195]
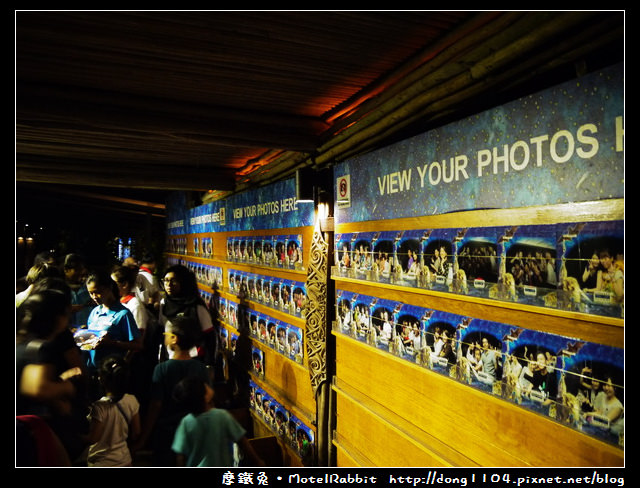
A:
[206,436]
[181,334]
[114,418]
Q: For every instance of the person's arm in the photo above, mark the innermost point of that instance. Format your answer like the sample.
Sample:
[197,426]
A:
[36,382]
[133,345]
[135,428]
[74,360]
[204,317]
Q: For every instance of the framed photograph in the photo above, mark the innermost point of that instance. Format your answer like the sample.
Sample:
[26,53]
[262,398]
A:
[276,299]
[529,264]
[437,254]
[233,341]
[362,255]
[257,361]
[282,417]
[272,327]
[230,249]
[531,362]
[262,328]
[242,249]
[592,267]
[383,266]
[257,249]
[293,258]
[249,249]
[252,292]
[342,252]
[408,258]
[295,346]
[439,349]
[305,440]
[476,261]
[266,289]
[281,251]
[480,354]
[383,319]
[408,333]
[268,251]
[592,390]
[344,311]
[207,247]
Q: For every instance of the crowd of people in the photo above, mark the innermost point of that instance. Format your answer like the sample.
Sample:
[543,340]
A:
[111,363]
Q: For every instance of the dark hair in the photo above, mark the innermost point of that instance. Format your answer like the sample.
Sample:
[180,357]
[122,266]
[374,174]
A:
[53,283]
[187,279]
[148,258]
[44,257]
[186,329]
[41,270]
[189,394]
[103,280]
[126,274]
[114,376]
[37,315]
[73,261]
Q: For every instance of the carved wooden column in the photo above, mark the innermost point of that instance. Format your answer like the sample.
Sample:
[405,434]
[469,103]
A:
[316,336]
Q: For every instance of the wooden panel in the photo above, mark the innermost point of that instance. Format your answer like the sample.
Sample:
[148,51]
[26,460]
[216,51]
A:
[286,455]
[385,444]
[290,383]
[486,429]
[287,381]
[343,459]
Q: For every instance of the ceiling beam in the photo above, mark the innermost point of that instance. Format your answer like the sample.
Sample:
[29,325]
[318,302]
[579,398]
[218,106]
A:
[150,177]
[50,107]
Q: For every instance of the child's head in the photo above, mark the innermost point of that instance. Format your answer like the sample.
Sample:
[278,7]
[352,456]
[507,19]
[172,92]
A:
[185,330]
[125,278]
[193,394]
[114,376]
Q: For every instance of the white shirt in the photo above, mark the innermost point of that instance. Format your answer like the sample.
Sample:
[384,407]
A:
[146,285]
[112,449]
[139,311]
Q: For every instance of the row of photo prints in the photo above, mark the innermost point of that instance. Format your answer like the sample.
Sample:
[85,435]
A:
[206,274]
[577,383]
[288,296]
[177,245]
[203,247]
[284,338]
[578,267]
[276,251]
[282,422]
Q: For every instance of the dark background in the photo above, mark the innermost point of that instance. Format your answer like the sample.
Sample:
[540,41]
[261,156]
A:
[86,220]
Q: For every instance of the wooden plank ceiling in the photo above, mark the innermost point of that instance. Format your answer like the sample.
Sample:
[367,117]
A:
[227,100]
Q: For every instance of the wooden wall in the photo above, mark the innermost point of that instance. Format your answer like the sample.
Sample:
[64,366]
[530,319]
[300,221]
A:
[285,380]
[391,412]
